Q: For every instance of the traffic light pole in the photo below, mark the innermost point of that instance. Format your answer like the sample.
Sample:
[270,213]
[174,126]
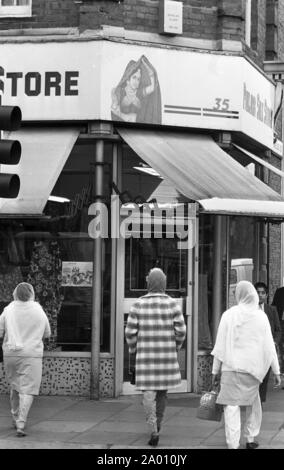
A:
[10,150]
[97,281]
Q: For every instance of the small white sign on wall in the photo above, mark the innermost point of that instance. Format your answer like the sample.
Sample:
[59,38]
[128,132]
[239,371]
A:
[170,17]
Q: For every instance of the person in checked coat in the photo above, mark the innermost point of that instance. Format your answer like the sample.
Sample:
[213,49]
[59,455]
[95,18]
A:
[155,332]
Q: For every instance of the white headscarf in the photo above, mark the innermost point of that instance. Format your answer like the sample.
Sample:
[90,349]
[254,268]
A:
[244,340]
[22,294]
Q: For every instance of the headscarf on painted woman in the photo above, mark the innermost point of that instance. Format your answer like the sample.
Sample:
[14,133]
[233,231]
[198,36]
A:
[150,105]
[244,340]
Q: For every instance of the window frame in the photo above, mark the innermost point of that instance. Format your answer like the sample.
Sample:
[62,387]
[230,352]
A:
[16,10]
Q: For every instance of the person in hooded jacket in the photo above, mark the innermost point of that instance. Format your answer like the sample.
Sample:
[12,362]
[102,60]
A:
[155,332]
[23,325]
[244,351]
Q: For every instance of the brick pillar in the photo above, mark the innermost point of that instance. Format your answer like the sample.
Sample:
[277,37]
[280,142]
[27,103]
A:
[230,24]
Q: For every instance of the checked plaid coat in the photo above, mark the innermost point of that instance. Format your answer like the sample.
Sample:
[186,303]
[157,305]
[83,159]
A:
[155,330]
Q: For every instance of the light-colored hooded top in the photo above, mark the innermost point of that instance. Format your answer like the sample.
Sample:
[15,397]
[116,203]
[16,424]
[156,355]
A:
[23,326]
[244,340]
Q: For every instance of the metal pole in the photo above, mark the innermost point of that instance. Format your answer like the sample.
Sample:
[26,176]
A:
[217,276]
[97,281]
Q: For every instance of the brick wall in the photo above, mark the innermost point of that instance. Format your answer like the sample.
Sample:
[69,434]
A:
[209,19]
[271,30]
[261,30]
[258,32]
[200,21]
[94,14]
[230,20]
[280,31]
[46,14]
[200,18]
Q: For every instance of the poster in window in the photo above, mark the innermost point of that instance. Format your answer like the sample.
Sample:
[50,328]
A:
[77,273]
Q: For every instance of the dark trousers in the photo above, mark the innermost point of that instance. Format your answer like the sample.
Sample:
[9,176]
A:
[263,387]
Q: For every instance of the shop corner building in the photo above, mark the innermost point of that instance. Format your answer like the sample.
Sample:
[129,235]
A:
[151,136]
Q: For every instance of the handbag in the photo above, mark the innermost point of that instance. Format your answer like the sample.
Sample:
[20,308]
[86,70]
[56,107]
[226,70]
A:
[208,408]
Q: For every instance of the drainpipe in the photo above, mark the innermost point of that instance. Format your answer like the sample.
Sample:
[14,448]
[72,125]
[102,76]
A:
[97,280]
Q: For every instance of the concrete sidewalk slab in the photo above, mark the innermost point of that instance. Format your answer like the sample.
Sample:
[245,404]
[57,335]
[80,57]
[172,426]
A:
[78,423]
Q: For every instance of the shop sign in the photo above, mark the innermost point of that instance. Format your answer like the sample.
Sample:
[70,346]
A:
[130,83]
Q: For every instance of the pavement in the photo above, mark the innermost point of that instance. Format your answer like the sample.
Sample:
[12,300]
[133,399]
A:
[60,422]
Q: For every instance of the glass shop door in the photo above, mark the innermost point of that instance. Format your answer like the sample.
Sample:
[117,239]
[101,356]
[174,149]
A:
[136,256]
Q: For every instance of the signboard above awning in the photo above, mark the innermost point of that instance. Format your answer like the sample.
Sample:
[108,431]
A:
[200,170]
[114,81]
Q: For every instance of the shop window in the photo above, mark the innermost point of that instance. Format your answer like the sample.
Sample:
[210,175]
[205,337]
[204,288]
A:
[147,250]
[233,276]
[15,8]
[55,254]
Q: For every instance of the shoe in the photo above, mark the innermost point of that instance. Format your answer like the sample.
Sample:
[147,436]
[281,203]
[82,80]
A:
[20,433]
[252,445]
[154,440]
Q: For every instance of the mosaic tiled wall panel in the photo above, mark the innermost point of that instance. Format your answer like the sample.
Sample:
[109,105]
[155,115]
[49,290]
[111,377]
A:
[204,368]
[70,376]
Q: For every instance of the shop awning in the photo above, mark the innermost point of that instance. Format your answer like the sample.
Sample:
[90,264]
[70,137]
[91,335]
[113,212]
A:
[200,170]
[44,154]
[273,209]
[260,161]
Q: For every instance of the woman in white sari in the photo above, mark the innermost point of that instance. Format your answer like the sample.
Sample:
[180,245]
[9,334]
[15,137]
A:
[23,324]
[243,352]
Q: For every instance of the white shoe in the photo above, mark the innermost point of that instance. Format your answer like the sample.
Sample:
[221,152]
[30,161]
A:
[20,426]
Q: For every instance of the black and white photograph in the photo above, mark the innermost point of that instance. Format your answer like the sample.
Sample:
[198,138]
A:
[142,228]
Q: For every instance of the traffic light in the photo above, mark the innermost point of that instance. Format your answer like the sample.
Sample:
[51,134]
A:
[10,151]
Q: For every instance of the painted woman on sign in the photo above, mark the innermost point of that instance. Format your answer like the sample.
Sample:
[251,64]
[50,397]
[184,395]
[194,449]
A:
[137,97]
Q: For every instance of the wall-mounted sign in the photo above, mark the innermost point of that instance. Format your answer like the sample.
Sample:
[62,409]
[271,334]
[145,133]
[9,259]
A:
[170,17]
[124,82]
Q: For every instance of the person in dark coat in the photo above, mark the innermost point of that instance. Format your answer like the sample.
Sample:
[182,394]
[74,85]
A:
[273,318]
[278,301]
[155,331]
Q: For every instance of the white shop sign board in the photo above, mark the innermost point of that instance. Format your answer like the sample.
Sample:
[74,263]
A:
[113,81]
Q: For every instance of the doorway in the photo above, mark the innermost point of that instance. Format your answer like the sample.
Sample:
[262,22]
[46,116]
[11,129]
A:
[136,256]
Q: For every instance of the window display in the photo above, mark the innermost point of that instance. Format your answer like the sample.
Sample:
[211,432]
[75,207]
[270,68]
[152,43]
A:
[55,254]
